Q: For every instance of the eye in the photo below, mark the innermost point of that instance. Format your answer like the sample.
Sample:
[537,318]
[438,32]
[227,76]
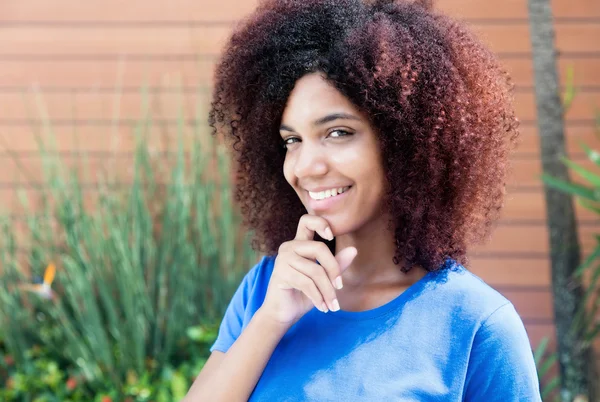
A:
[287,142]
[339,133]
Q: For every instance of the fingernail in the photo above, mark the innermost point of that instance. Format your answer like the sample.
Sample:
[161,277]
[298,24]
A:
[328,233]
[335,304]
[324,308]
[338,283]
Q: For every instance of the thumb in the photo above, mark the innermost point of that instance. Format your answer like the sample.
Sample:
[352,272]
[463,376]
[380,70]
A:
[346,256]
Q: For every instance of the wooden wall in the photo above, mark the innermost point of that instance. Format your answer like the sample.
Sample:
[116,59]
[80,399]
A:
[75,53]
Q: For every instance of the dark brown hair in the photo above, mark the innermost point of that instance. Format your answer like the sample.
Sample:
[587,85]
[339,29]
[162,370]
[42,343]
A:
[437,98]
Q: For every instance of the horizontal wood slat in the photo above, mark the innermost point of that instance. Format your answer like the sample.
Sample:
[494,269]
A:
[207,10]
[512,272]
[526,239]
[210,39]
[22,137]
[527,172]
[95,105]
[529,141]
[95,72]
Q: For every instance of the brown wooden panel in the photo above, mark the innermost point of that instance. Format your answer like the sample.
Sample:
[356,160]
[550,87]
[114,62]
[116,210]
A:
[538,331]
[516,8]
[584,106]
[526,172]
[585,70]
[527,239]
[529,142]
[187,10]
[535,305]
[93,138]
[133,10]
[96,105]
[29,168]
[105,73]
[531,206]
[511,271]
[103,105]
[135,72]
[210,39]
[145,39]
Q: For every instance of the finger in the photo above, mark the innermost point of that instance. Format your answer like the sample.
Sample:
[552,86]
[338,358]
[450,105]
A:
[294,279]
[319,278]
[345,257]
[319,252]
[309,224]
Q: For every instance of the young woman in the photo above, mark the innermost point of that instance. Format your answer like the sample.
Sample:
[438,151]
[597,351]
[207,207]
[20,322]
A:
[371,142]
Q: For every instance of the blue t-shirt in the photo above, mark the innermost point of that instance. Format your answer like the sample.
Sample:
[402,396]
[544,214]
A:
[448,337]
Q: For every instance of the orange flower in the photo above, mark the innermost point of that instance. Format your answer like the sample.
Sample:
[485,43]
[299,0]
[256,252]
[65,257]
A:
[106,399]
[71,383]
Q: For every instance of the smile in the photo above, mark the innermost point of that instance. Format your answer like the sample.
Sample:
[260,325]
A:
[321,195]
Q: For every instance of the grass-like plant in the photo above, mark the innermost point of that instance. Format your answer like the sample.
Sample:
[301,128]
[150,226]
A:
[140,261]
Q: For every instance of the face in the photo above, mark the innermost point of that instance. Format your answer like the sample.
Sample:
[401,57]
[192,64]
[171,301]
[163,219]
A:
[332,160]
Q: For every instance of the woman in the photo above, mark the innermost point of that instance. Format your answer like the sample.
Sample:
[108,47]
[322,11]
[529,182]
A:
[371,141]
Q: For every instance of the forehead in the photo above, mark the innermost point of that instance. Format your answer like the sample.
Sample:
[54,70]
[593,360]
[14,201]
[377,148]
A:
[314,97]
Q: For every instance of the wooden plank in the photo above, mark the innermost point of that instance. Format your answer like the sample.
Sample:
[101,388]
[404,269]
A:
[512,271]
[133,10]
[145,39]
[103,105]
[98,105]
[584,106]
[527,239]
[585,70]
[530,206]
[531,305]
[135,73]
[24,139]
[105,73]
[210,39]
[188,10]
[529,142]
[526,172]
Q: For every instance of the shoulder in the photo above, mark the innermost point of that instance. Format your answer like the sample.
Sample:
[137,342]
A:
[466,294]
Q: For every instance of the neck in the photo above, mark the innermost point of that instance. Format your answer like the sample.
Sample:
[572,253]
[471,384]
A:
[374,261]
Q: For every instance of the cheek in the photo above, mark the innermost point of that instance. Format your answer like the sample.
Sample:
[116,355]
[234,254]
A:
[288,171]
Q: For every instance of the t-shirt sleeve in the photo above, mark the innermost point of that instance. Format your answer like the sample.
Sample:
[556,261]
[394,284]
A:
[238,311]
[501,366]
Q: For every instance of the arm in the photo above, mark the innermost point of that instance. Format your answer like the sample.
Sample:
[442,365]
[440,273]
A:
[232,376]
[501,366]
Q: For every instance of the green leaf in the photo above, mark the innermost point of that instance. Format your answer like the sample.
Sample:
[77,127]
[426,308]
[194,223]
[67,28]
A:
[540,350]
[589,260]
[570,188]
[550,386]
[179,386]
[591,177]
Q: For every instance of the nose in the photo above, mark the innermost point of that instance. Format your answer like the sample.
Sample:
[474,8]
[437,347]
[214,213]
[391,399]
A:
[310,161]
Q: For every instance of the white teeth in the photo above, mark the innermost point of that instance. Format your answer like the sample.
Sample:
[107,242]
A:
[321,195]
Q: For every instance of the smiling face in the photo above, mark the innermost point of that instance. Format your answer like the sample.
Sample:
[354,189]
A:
[332,160]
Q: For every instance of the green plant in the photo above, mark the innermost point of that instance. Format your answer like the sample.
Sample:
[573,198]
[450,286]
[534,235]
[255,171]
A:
[151,258]
[545,362]
[588,196]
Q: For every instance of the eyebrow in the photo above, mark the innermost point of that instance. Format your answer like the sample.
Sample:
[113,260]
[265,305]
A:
[323,120]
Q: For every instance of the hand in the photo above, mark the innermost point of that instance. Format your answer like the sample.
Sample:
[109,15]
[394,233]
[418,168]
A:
[298,282]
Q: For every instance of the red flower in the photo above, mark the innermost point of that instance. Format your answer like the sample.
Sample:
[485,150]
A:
[106,399]
[71,383]
[9,360]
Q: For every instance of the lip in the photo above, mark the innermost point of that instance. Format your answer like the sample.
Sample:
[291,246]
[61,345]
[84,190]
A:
[327,203]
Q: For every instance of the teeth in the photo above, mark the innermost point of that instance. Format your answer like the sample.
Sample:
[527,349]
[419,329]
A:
[321,195]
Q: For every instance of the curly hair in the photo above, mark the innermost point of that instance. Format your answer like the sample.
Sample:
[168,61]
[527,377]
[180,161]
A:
[437,98]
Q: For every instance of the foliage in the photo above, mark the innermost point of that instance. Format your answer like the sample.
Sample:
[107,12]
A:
[46,381]
[545,362]
[138,264]
[587,194]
